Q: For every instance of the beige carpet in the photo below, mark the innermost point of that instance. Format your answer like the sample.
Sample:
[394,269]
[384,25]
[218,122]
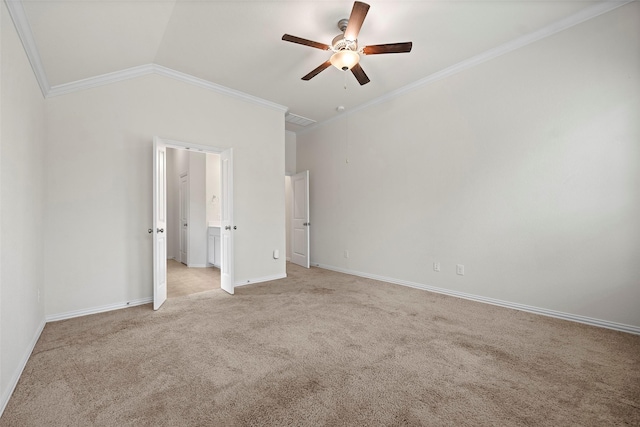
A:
[182,280]
[323,348]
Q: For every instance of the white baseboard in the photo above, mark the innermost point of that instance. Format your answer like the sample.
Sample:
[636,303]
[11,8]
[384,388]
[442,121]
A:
[197,265]
[16,375]
[261,279]
[516,306]
[100,309]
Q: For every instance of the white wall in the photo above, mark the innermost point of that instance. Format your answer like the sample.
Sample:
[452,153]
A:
[290,153]
[290,169]
[99,185]
[288,192]
[526,169]
[22,153]
[197,224]
[177,164]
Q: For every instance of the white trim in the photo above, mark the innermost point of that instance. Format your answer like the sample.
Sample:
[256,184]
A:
[184,145]
[101,80]
[551,29]
[20,21]
[147,69]
[516,306]
[197,265]
[261,279]
[100,309]
[18,373]
[196,81]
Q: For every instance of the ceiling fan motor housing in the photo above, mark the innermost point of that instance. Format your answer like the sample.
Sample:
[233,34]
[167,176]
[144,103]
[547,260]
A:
[342,24]
[340,43]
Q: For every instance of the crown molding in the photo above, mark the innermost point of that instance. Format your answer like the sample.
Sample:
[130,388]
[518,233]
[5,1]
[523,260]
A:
[19,17]
[147,69]
[196,81]
[101,80]
[20,21]
[551,29]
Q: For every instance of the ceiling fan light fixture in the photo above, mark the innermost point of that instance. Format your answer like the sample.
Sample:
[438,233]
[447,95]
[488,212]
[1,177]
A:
[344,59]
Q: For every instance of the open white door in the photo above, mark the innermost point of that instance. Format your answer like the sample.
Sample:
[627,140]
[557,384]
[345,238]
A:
[300,219]
[159,223]
[227,281]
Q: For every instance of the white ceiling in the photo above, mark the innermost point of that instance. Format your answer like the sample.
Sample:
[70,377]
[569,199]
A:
[237,44]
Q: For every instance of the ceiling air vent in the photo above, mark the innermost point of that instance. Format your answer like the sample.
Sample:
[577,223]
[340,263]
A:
[298,120]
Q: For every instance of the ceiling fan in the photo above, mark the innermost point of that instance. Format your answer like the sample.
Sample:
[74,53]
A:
[346,54]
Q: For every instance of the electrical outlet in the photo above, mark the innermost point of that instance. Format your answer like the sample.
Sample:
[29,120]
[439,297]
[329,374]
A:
[436,266]
[460,269]
[346,254]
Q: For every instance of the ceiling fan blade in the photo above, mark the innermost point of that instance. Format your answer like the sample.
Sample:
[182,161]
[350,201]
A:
[305,42]
[378,49]
[360,74]
[317,71]
[358,13]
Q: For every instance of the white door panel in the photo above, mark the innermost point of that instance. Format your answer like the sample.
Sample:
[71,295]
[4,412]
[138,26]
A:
[159,223]
[227,278]
[300,219]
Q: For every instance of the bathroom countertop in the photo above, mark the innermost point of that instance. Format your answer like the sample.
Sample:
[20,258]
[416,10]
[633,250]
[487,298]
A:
[213,224]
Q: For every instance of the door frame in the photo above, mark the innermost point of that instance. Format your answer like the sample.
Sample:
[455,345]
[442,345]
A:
[182,145]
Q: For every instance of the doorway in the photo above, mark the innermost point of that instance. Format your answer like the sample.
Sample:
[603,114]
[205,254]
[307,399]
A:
[193,209]
[190,218]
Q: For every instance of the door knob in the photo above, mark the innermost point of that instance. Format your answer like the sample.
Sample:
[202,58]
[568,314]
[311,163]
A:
[227,227]
[235,228]
[150,230]
[160,230]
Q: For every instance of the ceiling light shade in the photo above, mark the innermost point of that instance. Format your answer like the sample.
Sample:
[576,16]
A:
[344,59]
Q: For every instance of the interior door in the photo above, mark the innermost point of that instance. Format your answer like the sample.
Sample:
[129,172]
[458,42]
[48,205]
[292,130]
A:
[184,218]
[227,280]
[300,219]
[159,223]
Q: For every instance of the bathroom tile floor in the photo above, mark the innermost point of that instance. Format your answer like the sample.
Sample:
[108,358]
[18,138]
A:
[182,280]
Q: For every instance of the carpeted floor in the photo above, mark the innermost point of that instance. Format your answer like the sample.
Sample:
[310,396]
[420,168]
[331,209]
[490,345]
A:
[324,348]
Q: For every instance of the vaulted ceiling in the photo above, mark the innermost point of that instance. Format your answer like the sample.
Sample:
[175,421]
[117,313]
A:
[237,44]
